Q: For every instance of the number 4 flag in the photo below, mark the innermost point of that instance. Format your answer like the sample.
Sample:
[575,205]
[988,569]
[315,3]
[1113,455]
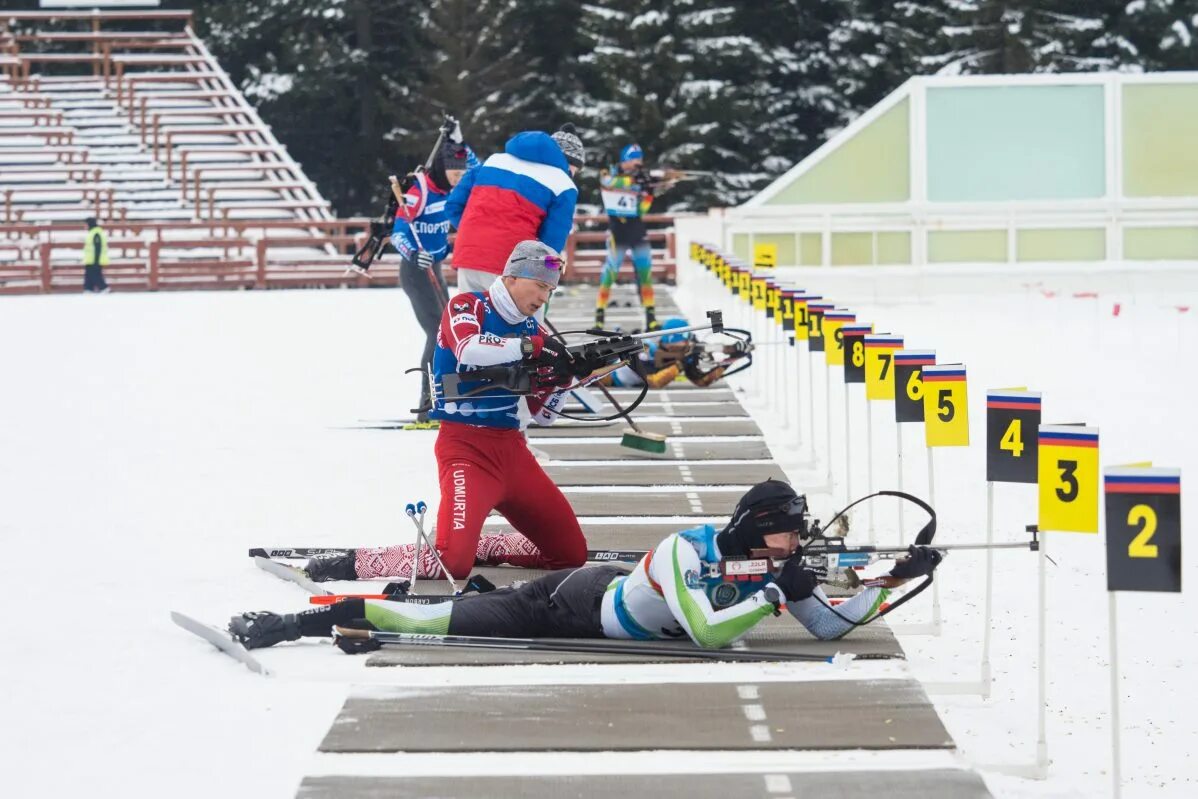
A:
[1012,435]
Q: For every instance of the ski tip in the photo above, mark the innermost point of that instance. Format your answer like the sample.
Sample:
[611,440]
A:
[257,552]
[221,639]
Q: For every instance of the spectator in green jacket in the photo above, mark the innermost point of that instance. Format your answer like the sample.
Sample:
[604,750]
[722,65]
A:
[95,257]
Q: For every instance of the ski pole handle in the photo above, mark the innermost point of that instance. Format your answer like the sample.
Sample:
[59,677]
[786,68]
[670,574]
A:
[410,509]
[421,507]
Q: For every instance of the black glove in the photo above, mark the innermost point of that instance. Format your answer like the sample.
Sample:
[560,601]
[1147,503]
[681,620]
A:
[796,581]
[424,259]
[553,361]
[919,562]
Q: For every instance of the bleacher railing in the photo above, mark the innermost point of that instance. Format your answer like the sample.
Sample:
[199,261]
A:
[238,253]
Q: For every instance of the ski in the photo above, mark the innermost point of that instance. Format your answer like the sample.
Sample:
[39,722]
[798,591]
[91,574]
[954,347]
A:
[297,553]
[353,641]
[412,599]
[221,640]
[303,553]
[291,574]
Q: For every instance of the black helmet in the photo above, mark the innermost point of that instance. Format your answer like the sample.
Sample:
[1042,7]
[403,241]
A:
[769,507]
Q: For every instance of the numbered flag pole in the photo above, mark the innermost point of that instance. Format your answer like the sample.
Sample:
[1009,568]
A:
[1143,553]
[758,288]
[787,320]
[879,385]
[946,424]
[1012,456]
[849,341]
[798,330]
[778,357]
[815,343]
[1067,483]
[898,432]
[908,403]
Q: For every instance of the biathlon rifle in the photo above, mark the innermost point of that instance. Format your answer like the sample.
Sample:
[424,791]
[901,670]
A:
[380,229]
[592,359]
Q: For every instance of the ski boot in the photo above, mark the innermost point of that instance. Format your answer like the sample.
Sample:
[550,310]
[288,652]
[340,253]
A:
[599,318]
[651,322]
[332,567]
[259,629]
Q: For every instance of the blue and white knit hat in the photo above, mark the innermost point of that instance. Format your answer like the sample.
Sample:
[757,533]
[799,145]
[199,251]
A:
[534,260]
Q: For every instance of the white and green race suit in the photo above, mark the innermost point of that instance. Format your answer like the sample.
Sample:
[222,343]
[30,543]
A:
[677,589]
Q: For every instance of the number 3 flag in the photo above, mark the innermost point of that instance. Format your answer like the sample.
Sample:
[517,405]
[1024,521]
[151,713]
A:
[1068,478]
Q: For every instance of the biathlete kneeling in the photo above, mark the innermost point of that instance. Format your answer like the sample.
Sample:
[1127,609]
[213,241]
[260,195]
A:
[483,459]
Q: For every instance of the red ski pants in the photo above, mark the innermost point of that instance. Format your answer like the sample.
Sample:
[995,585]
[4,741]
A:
[483,469]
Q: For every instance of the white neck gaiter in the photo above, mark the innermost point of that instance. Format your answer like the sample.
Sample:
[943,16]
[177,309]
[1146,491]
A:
[504,303]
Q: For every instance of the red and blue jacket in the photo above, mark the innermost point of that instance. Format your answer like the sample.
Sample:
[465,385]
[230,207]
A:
[422,223]
[474,335]
[523,193]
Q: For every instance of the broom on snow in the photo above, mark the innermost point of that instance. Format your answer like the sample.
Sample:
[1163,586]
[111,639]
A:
[636,438]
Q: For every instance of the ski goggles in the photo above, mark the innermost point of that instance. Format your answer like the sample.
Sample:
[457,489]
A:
[549,261]
[788,516]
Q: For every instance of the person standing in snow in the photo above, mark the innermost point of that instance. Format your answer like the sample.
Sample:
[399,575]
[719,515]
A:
[95,257]
[483,460]
[627,192]
[525,192]
[421,237]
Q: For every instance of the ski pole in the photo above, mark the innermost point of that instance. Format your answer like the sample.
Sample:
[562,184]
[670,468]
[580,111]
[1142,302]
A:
[421,537]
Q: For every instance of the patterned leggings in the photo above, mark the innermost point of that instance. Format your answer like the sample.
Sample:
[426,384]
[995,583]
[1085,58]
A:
[642,266]
[496,549]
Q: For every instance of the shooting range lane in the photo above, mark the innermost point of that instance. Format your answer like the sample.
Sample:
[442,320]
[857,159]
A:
[945,783]
[654,474]
[629,500]
[697,502]
[713,716]
[683,410]
[672,428]
[676,449]
[775,634]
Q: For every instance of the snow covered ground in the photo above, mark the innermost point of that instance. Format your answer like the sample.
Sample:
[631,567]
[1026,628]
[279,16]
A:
[147,440]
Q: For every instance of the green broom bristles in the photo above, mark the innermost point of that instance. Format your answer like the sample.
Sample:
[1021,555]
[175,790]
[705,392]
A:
[654,443]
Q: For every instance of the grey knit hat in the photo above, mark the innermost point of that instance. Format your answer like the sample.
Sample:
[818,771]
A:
[536,261]
[567,139]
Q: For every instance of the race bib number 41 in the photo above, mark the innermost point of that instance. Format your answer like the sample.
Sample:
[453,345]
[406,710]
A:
[620,203]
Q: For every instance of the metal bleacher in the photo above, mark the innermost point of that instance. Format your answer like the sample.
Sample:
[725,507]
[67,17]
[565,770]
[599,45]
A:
[126,116]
